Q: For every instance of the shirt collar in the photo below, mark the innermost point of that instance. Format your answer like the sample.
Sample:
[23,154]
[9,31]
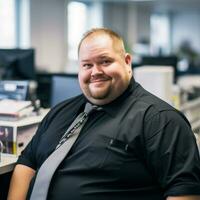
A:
[113,107]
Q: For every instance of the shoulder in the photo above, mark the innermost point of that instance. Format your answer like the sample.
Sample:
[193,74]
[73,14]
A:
[45,139]
[156,111]
[70,105]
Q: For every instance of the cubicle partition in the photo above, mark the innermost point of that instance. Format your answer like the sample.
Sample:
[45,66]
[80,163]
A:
[64,86]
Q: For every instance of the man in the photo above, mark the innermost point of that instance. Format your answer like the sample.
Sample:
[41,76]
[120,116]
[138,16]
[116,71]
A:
[137,147]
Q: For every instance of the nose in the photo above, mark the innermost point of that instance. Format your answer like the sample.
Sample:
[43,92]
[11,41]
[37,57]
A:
[96,70]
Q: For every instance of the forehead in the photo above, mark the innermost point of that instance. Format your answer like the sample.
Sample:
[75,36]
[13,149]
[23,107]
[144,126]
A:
[96,41]
[96,44]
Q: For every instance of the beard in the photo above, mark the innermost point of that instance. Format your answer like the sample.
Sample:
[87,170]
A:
[100,92]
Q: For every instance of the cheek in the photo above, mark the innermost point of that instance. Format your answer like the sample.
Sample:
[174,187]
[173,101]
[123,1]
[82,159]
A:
[84,76]
[116,74]
[116,70]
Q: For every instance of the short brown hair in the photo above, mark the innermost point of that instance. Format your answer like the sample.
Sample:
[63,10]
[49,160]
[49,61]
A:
[113,35]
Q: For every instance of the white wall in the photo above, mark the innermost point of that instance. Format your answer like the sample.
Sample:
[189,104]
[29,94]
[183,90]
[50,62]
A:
[115,17]
[48,19]
[132,24]
[129,19]
[143,21]
[48,34]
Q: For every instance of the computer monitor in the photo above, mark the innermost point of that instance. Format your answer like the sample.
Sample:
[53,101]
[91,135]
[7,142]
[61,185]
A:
[17,90]
[64,86]
[161,61]
[17,64]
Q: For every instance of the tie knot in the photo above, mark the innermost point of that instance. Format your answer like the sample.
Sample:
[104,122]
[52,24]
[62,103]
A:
[89,108]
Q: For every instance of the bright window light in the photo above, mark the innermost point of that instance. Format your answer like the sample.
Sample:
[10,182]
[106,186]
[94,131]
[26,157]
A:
[77,23]
[81,17]
[7,24]
[24,31]
[160,34]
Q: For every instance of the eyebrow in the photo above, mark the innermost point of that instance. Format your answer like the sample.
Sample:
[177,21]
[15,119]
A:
[103,56]
[87,60]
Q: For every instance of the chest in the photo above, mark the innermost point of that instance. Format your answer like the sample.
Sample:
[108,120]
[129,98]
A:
[106,144]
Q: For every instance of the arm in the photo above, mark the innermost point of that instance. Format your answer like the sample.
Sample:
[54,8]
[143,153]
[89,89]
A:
[19,185]
[192,197]
[172,156]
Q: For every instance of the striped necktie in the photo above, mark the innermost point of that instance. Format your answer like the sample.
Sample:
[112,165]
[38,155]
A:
[48,168]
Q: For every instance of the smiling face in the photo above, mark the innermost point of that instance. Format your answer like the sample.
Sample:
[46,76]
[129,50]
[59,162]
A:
[105,69]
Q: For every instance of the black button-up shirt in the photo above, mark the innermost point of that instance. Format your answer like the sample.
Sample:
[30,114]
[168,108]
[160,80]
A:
[138,147]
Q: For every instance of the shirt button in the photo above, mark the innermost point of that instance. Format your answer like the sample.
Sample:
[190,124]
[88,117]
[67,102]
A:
[126,147]
[111,141]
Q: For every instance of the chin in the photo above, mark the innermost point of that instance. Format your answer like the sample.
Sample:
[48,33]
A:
[99,94]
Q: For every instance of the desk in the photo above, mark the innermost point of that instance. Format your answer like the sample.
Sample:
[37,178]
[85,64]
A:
[33,119]
[7,163]
[7,160]
[25,129]
[6,166]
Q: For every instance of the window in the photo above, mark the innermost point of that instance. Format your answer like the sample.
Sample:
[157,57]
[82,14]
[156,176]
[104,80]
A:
[24,24]
[14,23]
[8,28]
[160,34]
[81,17]
[77,23]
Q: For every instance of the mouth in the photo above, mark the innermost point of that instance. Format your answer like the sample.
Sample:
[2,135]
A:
[99,79]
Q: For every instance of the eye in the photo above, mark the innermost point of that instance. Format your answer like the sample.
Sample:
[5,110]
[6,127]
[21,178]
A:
[105,62]
[87,65]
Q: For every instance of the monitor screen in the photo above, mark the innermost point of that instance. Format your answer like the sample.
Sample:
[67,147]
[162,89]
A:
[17,90]
[63,87]
[17,64]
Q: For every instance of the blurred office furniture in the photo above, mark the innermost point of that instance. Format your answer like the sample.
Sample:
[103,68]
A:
[157,80]
[13,110]
[17,90]
[64,86]
[20,90]
[17,64]
[191,109]
[160,61]
[7,163]
[190,84]
[50,82]
[6,166]
[22,131]
[190,87]
[44,88]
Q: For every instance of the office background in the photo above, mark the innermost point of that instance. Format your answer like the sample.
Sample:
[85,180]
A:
[167,30]
[53,27]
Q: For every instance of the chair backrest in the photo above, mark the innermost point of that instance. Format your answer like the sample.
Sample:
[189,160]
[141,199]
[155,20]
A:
[63,87]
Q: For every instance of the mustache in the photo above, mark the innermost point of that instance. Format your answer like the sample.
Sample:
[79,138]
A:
[99,77]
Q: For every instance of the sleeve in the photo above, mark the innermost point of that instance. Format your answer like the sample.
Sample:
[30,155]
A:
[172,154]
[27,156]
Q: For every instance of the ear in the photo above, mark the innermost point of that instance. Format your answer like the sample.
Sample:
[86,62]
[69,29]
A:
[128,59]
